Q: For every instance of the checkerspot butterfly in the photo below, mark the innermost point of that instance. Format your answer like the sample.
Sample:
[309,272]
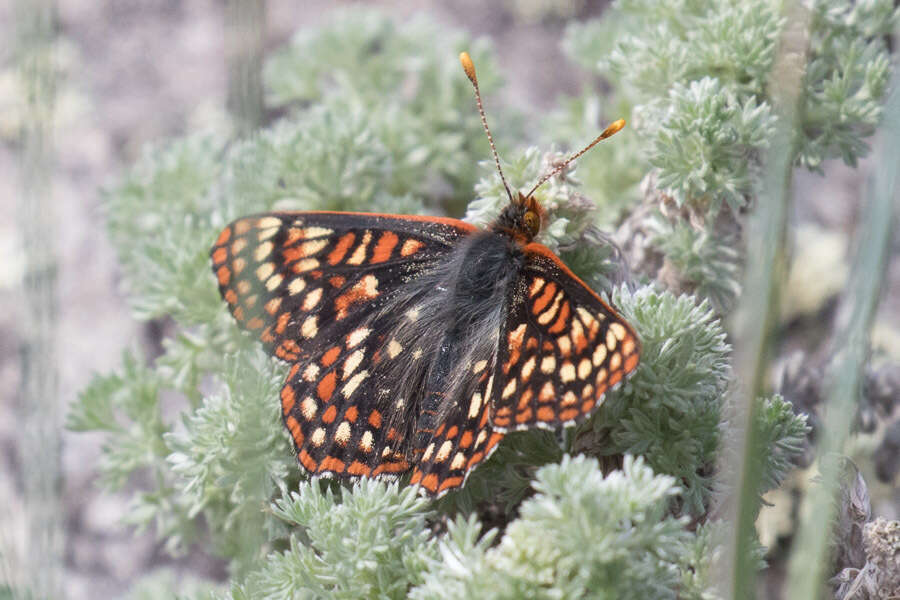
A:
[416,343]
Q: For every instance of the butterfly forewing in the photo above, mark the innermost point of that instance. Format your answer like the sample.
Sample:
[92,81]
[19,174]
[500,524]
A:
[299,280]
[561,348]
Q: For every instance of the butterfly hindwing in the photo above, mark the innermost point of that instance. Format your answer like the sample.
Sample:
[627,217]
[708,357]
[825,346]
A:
[293,278]
[336,406]
[462,441]
[562,347]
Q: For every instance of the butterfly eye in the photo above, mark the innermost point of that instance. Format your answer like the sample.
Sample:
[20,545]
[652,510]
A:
[532,222]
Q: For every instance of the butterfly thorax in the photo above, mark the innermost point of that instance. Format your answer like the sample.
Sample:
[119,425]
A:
[463,299]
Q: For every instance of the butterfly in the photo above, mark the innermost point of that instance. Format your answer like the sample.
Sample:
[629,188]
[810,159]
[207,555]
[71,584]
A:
[415,342]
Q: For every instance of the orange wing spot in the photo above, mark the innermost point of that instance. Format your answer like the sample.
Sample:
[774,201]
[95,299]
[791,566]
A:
[525,399]
[230,296]
[272,305]
[224,236]
[358,468]
[242,227]
[416,476]
[219,255]
[293,234]
[631,362]
[504,411]
[524,416]
[326,387]
[375,420]
[255,323]
[224,275]
[266,336]
[330,356]
[430,482]
[283,320]
[351,414]
[238,313]
[548,346]
[587,405]
[568,415]
[544,299]
[295,368]
[294,427]
[287,399]
[615,378]
[392,434]
[494,440]
[364,289]
[439,431]
[395,467]
[531,344]
[340,249]
[329,415]
[562,319]
[449,483]
[330,463]
[580,341]
[484,417]
[546,414]
[292,254]
[466,440]
[337,281]
[411,247]
[307,461]
[501,421]
[475,459]
[452,432]
[384,247]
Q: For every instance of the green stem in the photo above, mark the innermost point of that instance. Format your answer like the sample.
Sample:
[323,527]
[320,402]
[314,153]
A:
[806,568]
[757,312]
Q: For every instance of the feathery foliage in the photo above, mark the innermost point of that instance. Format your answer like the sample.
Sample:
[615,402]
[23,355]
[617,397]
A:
[383,120]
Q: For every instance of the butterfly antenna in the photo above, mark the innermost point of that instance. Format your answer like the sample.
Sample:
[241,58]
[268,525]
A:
[614,128]
[469,67]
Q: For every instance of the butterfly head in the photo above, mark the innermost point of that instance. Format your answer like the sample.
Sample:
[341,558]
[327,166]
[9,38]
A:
[523,216]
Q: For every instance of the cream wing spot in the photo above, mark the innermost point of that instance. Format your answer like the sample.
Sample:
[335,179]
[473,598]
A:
[274,281]
[262,251]
[266,233]
[359,254]
[313,247]
[618,330]
[311,372]
[479,366]
[318,437]
[611,339]
[312,299]
[296,286]
[310,327]
[567,372]
[599,355]
[308,408]
[444,451]
[482,435]
[354,382]
[352,362]
[475,405]
[267,222]
[357,336]
[509,390]
[394,348]
[548,315]
[548,364]
[528,368]
[342,435]
[584,368]
[428,451]
[264,270]
[366,443]
[238,245]
[316,232]
[459,461]
[306,264]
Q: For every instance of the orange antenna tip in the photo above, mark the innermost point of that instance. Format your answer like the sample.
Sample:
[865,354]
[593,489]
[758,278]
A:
[614,128]
[469,67]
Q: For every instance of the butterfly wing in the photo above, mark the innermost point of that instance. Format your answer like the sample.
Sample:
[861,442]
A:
[298,280]
[562,347]
[462,441]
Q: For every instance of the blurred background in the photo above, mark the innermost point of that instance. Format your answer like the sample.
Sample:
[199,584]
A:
[133,72]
